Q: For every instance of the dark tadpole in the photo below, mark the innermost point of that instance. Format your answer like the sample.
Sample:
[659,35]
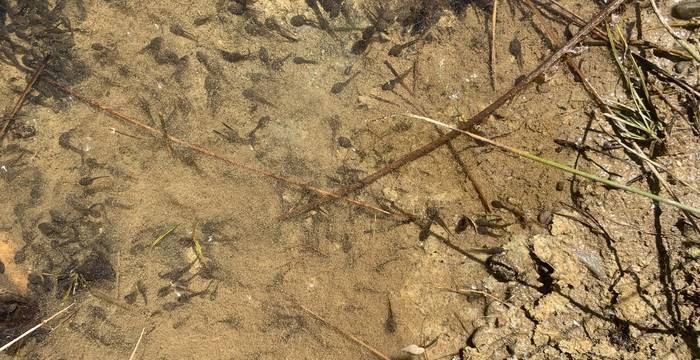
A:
[515,49]
[300,61]
[301,20]
[87,181]
[234,56]
[178,30]
[340,86]
[390,323]
[397,49]
[154,45]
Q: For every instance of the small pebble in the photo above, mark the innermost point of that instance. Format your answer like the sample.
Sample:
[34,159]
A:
[545,217]
[543,88]
[694,252]
[344,142]
[560,186]
[681,67]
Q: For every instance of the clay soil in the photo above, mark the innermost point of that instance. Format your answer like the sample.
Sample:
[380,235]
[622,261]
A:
[543,266]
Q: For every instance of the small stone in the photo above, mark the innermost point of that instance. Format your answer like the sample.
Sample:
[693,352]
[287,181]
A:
[694,252]
[413,349]
[560,186]
[344,142]
[571,29]
[681,67]
[390,194]
[545,217]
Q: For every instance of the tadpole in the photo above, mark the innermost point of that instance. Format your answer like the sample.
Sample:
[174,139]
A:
[87,180]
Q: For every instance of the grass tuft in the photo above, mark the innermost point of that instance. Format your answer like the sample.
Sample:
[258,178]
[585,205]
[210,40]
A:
[637,121]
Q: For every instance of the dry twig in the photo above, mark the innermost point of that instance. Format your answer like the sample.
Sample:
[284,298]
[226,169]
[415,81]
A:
[494,12]
[10,119]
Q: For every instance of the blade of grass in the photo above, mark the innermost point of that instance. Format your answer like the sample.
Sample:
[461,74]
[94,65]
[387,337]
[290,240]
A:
[162,236]
[197,246]
[562,167]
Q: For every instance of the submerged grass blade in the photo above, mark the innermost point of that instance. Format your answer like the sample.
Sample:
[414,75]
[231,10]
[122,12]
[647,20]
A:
[562,167]
[162,236]
[197,246]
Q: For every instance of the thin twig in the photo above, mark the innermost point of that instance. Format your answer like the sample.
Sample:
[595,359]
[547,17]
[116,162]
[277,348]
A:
[133,353]
[28,332]
[374,351]
[494,12]
[465,169]
[10,119]
[475,120]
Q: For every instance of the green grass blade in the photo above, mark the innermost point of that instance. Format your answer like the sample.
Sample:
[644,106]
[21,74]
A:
[197,246]
[162,236]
